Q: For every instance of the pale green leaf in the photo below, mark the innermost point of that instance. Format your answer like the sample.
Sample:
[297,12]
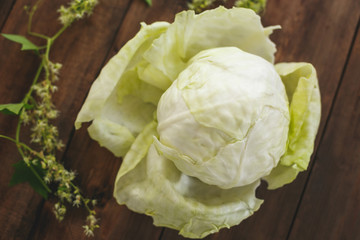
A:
[302,88]
[26,44]
[11,108]
[151,184]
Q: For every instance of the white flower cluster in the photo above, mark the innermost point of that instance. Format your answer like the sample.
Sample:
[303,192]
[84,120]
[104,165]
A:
[77,9]
[200,5]
[256,5]
[91,226]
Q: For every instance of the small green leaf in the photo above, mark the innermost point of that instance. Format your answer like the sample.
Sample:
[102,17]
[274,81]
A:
[26,43]
[23,173]
[148,2]
[11,108]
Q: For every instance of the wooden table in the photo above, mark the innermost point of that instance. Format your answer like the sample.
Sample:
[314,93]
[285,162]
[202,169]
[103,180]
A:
[322,203]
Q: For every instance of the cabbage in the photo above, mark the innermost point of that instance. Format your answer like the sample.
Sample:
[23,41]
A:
[200,115]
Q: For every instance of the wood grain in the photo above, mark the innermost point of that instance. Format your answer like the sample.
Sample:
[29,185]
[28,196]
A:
[88,39]
[5,8]
[330,207]
[99,172]
[19,204]
[316,31]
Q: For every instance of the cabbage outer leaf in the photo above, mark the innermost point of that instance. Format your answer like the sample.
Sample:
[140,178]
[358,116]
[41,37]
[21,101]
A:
[119,103]
[151,184]
[302,88]
[220,27]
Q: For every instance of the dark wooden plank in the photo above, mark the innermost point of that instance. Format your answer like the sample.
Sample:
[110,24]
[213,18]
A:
[97,170]
[312,31]
[97,167]
[322,37]
[161,10]
[5,8]
[19,204]
[331,205]
[82,50]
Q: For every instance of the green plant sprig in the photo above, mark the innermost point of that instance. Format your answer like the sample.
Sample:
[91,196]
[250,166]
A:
[39,167]
[200,5]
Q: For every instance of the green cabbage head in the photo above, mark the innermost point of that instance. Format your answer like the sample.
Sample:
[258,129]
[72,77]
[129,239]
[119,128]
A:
[200,115]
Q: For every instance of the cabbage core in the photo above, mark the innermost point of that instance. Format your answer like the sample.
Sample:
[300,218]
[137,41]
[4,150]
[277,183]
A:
[225,119]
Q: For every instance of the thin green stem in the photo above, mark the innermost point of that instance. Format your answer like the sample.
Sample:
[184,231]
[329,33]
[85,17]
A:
[36,78]
[40,179]
[33,101]
[8,138]
[19,143]
[28,148]
[25,101]
[17,135]
[47,51]
[82,198]
[56,35]
[39,35]
[31,14]
[37,175]
[45,60]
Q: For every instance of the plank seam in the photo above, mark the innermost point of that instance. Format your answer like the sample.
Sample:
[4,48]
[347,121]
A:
[161,233]
[325,127]
[7,15]
[113,42]
[68,143]
[38,212]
